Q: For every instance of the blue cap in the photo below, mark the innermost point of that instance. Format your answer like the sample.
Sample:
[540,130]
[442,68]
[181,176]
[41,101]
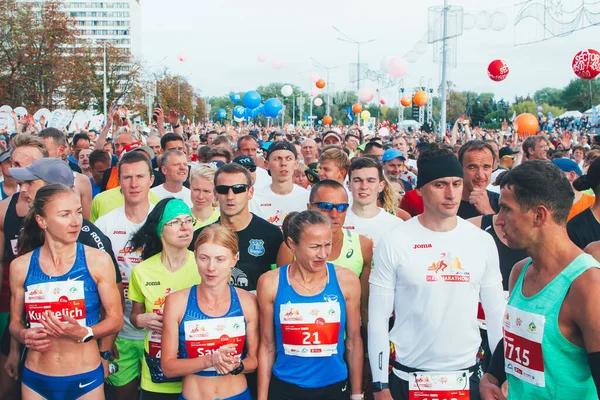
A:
[567,165]
[390,154]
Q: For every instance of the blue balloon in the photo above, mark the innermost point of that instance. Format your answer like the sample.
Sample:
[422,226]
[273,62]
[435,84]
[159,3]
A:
[222,113]
[235,97]
[239,112]
[255,113]
[272,107]
[248,113]
[252,99]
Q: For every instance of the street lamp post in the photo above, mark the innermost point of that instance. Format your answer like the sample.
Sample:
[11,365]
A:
[104,80]
[348,39]
[319,65]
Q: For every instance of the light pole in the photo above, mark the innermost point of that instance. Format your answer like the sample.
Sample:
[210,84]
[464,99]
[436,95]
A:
[348,39]
[319,65]
[444,68]
[104,80]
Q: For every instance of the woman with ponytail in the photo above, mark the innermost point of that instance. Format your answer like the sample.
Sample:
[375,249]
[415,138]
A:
[61,294]
[168,267]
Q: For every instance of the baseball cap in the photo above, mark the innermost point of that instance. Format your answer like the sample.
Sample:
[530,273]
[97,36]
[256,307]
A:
[50,170]
[390,154]
[567,165]
[139,146]
[5,156]
[312,172]
[282,145]
[507,151]
[245,161]
[332,133]
[216,164]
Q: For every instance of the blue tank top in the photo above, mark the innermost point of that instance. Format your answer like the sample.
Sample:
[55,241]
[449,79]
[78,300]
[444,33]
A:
[79,272]
[309,334]
[201,334]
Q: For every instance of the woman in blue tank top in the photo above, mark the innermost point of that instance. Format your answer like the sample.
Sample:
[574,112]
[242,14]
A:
[61,296]
[210,331]
[306,308]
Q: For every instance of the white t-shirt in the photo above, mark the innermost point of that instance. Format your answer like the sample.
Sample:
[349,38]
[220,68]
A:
[374,228]
[184,194]
[494,176]
[119,230]
[274,207]
[262,178]
[435,279]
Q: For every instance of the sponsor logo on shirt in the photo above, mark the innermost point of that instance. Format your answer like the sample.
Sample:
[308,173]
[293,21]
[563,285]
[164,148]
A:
[349,253]
[238,278]
[423,246]
[265,205]
[154,283]
[350,227]
[256,247]
[448,269]
[119,233]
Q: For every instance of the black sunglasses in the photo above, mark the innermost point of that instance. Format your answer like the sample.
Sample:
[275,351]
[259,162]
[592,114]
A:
[326,206]
[237,189]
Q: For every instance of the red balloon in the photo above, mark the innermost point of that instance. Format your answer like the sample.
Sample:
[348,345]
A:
[586,64]
[498,70]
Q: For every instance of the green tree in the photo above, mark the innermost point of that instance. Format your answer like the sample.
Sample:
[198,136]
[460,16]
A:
[548,95]
[580,94]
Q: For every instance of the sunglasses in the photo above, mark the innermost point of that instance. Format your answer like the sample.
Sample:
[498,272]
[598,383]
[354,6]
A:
[326,206]
[237,189]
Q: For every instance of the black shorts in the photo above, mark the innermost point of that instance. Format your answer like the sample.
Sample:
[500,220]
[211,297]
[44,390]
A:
[399,387]
[5,342]
[280,390]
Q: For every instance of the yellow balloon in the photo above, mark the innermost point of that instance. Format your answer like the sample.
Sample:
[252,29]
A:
[365,115]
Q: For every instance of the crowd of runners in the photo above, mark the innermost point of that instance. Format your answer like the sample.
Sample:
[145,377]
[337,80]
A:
[247,262]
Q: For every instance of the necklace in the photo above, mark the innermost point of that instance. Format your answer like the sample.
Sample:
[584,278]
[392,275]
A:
[318,285]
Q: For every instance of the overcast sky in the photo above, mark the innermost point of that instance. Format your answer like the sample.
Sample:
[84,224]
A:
[223,38]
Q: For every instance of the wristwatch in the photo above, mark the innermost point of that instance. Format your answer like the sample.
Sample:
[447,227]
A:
[238,370]
[379,386]
[176,126]
[89,336]
[106,355]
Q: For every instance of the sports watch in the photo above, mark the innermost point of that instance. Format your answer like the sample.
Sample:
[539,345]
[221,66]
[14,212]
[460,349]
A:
[379,386]
[238,370]
[106,355]
[89,336]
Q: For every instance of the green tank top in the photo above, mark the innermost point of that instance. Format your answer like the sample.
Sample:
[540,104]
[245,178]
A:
[351,255]
[539,361]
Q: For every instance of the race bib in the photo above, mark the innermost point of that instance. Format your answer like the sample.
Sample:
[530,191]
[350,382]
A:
[310,329]
[14,243]
[154,339]
[61,298]
[204,337]
[438,386]
[523,334]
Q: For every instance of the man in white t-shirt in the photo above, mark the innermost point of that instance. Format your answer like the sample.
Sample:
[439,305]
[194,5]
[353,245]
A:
[281,197]
[366,182]
[248,146]
[175,168]
[431,272]
[135,180]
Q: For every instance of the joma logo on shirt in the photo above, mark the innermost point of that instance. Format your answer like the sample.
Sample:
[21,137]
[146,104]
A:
[155,283]
[423,246]
[119,233]
[265,205]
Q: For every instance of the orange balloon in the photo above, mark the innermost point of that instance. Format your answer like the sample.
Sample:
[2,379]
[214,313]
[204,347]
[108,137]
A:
[327,120]
[357,108]
[320,83]
[405,101]
[420,98]
[527,124]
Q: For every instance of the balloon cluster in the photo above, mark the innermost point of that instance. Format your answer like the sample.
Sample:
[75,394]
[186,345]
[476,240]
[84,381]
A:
[253,106]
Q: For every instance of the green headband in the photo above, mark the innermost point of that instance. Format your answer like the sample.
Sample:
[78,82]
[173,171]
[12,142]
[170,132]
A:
[173,209]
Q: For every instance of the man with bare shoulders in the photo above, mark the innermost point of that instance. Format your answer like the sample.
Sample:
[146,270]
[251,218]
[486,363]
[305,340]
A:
[551,324]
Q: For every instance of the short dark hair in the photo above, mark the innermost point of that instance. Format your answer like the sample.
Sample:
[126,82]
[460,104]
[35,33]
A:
[170,137]
[219,151]
[540,182]
[213,132]
[57,135]
[203,154]
[234,168]
[99,156]
[365,162]
[244,138]
[330,183]
[78,137]
[219,140]
[475,145]
[369,146]
[531,142]
[132,157]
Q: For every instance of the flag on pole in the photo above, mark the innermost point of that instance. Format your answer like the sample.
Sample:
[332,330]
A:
[594,115]
[349,115]
[514,116]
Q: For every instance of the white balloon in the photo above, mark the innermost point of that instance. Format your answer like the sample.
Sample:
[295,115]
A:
[365,95]
[318,102]
[287,90]
[385,62]
[420,47]
[484,20]
[42,111]
[412,56]
[21,111]
[499,21]
[6,108]
[469,21]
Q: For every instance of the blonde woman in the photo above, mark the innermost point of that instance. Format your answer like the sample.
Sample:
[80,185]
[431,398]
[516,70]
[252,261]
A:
[202,188]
